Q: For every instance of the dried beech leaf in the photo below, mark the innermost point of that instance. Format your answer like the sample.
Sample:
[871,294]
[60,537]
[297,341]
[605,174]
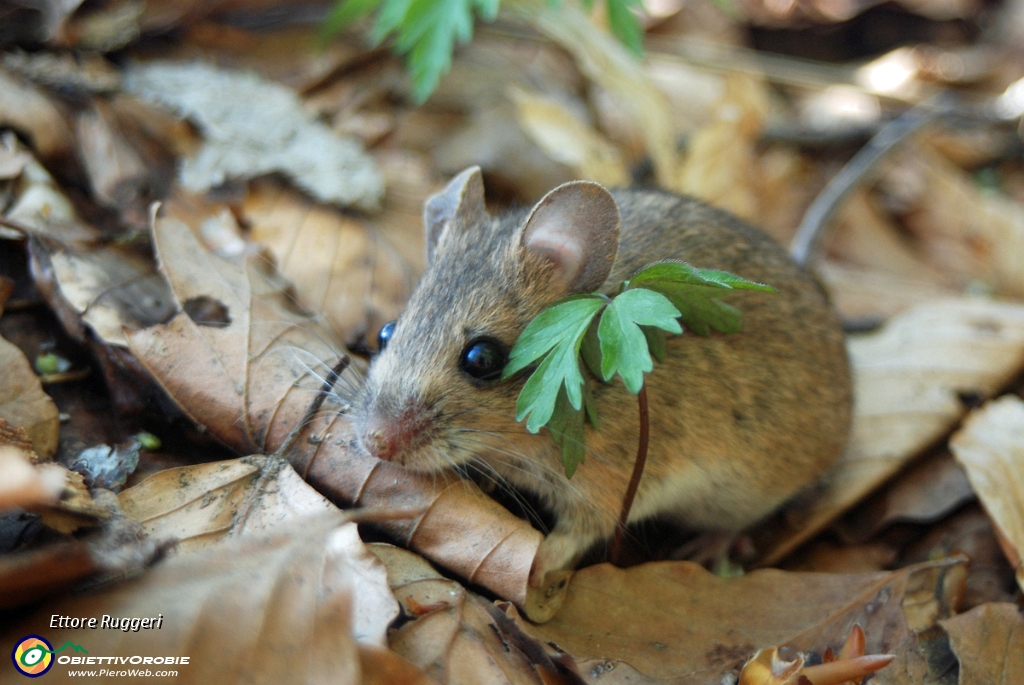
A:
[909,379]
[200,505]
[454,635]
[489,546]
[253,127]
[27,109]
[673,622]
[248,365]
[23,404]
[720,166]
[341,267]
[868,294]
[269,608]
[989,642]
[567,139]
[990,446]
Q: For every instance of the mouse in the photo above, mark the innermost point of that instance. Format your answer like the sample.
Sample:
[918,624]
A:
[739,423]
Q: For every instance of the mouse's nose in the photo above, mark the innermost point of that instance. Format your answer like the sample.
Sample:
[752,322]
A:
[391,438]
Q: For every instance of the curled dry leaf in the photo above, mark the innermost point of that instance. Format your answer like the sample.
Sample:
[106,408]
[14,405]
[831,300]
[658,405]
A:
[251,379]
[673,622]
[254,127]
[910,382]
[454,635]
[268,608]
[989,642]
[197,506]
[567,139]
[23,404]
[27,109]
[990,446]
[238,357]
[340,265]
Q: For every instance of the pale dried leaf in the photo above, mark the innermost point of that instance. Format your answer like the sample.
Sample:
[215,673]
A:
[255,127]
[251,371]
[340,265]
[909,378]
[989,642]
[27,109]
[874,295]
[269,608]
[567,139]
[990,446]
[23,404]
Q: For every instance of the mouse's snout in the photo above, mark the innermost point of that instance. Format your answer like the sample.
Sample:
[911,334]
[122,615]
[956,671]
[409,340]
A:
[393,438]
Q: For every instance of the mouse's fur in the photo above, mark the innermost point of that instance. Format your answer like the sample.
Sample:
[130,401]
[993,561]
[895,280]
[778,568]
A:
[739,422]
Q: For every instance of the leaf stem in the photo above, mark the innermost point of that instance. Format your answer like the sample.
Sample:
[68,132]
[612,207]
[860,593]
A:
[634,481]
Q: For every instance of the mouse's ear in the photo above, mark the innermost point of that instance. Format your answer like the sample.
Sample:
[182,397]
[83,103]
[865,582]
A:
[461,202]
[576,228]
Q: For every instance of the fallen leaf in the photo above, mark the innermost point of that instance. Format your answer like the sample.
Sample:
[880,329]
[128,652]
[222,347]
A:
[989,642]
[27,109]
[568,139]
[341,266]
[454,635]
[872,296]
[990,447]
[674,622]
[197,506]
[911,381]
[254,127]
[23,404]
[268,608]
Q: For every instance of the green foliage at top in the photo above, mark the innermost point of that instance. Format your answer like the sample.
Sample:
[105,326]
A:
[426,31]
[614,336]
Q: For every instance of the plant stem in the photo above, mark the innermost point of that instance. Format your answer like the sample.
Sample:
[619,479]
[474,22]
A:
[634,481]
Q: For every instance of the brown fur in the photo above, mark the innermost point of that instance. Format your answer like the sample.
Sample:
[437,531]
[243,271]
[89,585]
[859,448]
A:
[739,422]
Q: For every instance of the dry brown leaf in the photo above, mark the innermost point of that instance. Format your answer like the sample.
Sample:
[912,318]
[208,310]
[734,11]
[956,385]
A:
[720,166]
[990,446]
[76,508]
[340,265]
[454,635]
[609,65]
[965,232]
[873,295]
[249,364]
[23,404]
[272,608]
[568,139]
[200,505]
[24,485]
[673,622]
[989,642]
[27,109]
[911,379]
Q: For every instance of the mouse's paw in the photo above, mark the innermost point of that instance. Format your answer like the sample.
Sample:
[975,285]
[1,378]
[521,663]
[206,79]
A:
[557,552]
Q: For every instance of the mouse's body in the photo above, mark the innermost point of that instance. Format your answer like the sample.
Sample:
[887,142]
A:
[738,423]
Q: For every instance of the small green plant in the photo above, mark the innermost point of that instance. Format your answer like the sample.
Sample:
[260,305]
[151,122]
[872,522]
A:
[614,335]
[426,31]
[632,325]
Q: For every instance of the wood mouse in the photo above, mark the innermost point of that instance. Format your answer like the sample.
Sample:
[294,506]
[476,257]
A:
[738,423]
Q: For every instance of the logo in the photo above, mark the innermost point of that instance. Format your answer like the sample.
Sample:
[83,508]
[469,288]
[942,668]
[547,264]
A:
[33,656]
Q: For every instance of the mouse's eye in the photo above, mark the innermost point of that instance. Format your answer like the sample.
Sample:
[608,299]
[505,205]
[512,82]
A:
[386,331]
[483,359]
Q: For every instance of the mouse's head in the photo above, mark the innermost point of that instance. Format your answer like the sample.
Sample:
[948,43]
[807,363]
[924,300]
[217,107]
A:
[433,396]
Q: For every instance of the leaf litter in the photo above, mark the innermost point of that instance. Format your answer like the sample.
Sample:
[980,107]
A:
[250,357]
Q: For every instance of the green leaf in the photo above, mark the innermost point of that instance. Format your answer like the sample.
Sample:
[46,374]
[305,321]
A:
[655,341]
[625,24]
[556,335]
[346,13]
[566,428]
[623,344]
[548,328]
